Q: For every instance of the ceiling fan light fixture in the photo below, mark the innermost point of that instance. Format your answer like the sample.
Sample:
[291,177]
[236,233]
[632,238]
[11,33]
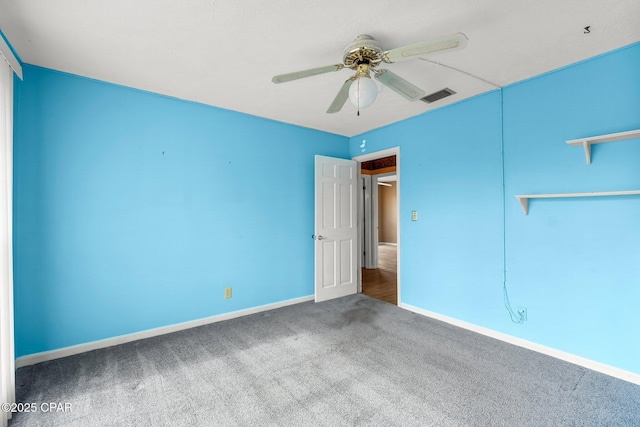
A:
[363,92]
[363,55]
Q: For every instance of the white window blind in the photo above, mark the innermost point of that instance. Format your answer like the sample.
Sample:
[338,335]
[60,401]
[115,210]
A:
[7,55]
[7,354]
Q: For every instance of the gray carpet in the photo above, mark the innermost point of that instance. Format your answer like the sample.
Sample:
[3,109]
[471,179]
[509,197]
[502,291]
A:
[351,361]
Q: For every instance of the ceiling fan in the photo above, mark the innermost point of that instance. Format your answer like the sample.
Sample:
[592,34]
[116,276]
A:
[363,56]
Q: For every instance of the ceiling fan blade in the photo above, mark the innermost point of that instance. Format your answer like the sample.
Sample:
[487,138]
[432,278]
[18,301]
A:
[446,43]
[399,85]
[283,78]
[341,97]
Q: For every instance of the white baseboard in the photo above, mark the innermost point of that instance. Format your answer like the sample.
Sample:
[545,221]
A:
[631,377]
[44,356]
[387,244]
[32,359]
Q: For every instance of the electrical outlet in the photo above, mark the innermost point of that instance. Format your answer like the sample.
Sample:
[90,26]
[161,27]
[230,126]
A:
[227,292]
[522,311]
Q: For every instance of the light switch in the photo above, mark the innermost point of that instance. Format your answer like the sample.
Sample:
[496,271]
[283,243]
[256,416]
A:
[414,215]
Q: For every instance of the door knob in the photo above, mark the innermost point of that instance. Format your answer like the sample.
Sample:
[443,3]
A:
[320,237]
[316,237]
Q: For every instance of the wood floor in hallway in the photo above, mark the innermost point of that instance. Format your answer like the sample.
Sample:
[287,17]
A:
[382,282]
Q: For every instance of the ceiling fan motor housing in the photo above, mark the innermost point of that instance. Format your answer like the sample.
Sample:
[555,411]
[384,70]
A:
[363,50]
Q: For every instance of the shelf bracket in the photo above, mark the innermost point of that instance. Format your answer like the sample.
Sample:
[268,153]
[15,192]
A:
[524,202]
[587,151]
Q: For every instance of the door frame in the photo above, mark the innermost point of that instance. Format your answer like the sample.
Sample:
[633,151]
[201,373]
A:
[372,156]
[375,203]
[369,217]
[364,215]
[370,232]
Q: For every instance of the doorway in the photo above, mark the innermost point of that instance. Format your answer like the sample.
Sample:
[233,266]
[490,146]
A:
[380,229]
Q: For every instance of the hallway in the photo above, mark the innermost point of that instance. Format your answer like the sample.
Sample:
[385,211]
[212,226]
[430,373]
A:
[382,282]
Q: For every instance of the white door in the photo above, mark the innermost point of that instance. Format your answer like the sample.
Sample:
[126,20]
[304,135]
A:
[336,231]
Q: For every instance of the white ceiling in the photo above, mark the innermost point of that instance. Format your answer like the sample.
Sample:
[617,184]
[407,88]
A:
[224,52]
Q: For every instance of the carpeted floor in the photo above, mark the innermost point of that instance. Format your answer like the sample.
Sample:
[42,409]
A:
[351,361]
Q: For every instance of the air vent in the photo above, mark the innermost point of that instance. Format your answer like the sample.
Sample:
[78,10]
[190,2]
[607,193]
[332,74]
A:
[436,96]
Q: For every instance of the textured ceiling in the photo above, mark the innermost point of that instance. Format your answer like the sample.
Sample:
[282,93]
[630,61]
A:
[224,52]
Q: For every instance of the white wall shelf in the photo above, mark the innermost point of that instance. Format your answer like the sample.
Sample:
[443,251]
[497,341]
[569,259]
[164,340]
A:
[524,198]
[612,137]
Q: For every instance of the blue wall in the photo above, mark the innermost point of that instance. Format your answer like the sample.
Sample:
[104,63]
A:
[134,210]
[574,263]
[451,173]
